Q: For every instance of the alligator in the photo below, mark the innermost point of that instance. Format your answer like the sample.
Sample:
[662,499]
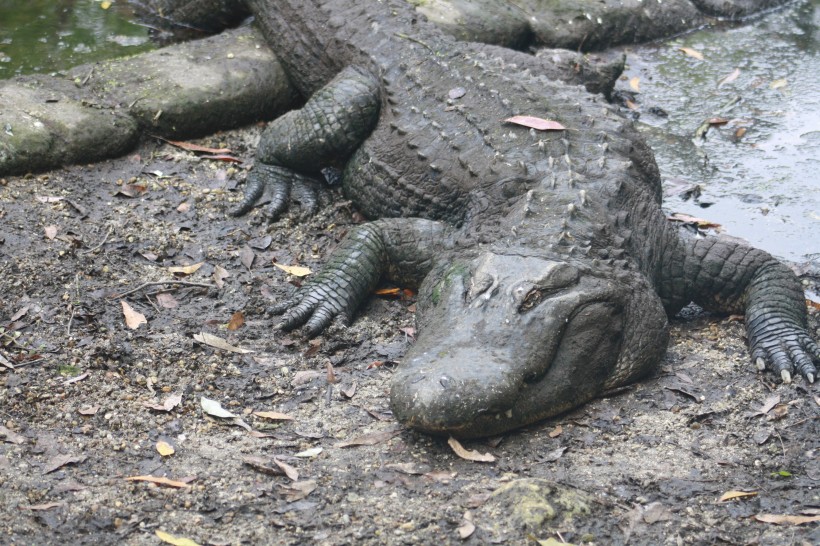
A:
[545,267]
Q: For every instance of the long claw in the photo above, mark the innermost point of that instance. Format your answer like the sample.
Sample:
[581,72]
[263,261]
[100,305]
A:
[786,376]
[760,363]
[810,377]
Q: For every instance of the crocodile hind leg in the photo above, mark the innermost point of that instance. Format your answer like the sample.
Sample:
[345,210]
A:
[403,248]
[297,146]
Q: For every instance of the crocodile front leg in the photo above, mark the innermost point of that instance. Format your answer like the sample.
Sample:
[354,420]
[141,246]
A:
[404,249]
[725,275]
[297,146]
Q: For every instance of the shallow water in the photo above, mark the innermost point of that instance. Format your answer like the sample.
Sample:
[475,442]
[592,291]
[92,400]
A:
[761,185]
[50,35]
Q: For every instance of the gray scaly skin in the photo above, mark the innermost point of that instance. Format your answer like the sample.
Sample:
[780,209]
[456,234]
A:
[546,268]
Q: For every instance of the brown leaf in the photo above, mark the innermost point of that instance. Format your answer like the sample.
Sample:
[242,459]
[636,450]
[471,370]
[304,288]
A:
[700,222]
[298,490]
[315,344]
[195,147]
[350,391]
[76,378]
[237,320]
[635,83]
[369,439]
[246,256]
[770,402]
[19,314]
[131,190]
[273,415]
[62,460]
[219,343]
[219,276]
[165,449]
[331,375]
[729,495]
[133,319]
[44,506]
[554,433]
[289,471]
[717,121]
[533,122]
[741,131]
[184,270]
[184,207]
[388,292]
[469,454]
[695,54]
[166,300]
[222,157]
[730,78]
[631,105]
[50,231]
[467,526]
[295,270]
[780,519]
[554,455]
[10,436]
[170,403]
[260,243]
[158,481]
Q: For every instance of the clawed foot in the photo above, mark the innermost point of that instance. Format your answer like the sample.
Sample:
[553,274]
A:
[285,186]
[787,352]
[315,306]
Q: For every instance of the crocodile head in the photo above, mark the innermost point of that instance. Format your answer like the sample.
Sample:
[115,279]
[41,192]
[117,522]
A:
[506,340]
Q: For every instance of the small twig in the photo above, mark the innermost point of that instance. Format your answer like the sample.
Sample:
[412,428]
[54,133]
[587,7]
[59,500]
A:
[90,250]
[410,38]
[161,283]
[70,319]
[88,77]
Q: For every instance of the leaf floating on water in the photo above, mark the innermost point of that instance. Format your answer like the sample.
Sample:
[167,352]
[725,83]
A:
[214,408]
[219,343]
[700,222]
[538,124]
[469,454]
[780,519]
[778,84]
[295,270]
[729,495]
[457,93]
[635,83]
[133,319]
[694,53]
[730,78]
[174,540]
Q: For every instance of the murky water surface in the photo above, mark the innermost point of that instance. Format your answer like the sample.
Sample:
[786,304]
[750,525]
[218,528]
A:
[760,172]
[50,35]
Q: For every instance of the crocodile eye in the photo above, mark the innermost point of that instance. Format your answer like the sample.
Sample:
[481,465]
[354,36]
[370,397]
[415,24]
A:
[532,299]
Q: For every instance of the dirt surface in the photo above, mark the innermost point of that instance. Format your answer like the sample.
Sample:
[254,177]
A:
[647,465]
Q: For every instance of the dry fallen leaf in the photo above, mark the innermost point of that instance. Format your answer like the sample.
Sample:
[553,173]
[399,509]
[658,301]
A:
[214,408]
[467,527]
[50,231]
[331,375]
[10,436]
[295,270]
[469,454]
[219,343]
[62,460]
[635,83]
[778,84]
[237,320]
[700,222]
[289,471]
[533,122]
[729,495]
[164,448]
[88,410]
[174,540]
[694,53]
[273,415]
[219,276]
[44,506]
[312,452]
[158,481]
[554,433]
[183,270]
[170,403]
[184,207]
[780,519]
[166,300]
[133,319]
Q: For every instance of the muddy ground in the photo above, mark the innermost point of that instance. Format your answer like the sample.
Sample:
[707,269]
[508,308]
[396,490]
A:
[646,465]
